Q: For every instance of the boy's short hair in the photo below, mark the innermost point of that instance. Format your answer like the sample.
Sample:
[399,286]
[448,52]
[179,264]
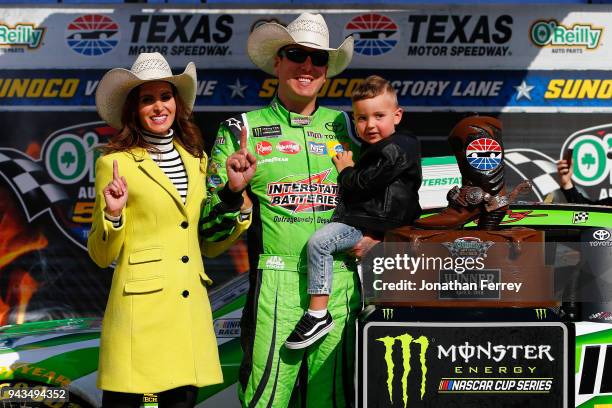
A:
[373,86]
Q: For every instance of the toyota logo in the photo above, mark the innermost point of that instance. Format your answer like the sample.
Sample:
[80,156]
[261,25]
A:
[601,235]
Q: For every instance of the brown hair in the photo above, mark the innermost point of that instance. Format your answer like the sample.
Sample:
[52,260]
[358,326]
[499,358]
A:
[371,87]
[186,132]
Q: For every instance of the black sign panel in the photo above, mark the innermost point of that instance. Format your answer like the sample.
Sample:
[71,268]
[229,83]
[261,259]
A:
[435,365]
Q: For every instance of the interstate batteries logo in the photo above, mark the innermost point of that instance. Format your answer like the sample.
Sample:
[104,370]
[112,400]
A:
[21,35]
[552,33]
[374,34]
[314,193]
[92,35]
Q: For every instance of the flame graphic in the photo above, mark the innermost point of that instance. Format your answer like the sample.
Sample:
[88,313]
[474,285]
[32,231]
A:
[17,238]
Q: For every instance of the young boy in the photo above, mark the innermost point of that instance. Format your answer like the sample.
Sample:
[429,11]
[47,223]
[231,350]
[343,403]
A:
[377,194]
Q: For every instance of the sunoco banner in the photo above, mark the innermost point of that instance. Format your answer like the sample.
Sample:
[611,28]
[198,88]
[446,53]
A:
[500,37]
[417,90]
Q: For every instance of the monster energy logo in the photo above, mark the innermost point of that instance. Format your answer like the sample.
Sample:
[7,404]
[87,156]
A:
[405,341]
[541,313]
[387,314]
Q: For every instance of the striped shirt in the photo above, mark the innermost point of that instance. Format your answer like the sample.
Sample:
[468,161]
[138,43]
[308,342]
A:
[168,160]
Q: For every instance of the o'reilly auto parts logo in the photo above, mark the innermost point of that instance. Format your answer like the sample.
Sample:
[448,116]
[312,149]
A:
[374,34]
[21,35]
[589,148]
[69,156]
[406,342]
[181,34]
[544,33]
[92,35]
[457,35]
[300,194]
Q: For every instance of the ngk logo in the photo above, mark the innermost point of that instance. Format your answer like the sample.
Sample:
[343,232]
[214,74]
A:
[263,148]
[288,147]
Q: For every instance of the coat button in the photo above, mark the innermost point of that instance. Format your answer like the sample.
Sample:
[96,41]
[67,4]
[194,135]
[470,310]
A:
[185,259]
[185,293]
[184,224]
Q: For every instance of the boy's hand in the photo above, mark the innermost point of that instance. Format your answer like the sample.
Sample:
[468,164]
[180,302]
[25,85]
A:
[363,246]
[343,160]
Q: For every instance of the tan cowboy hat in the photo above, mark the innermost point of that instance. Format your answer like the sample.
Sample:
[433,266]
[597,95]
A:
[308,30]
[118,82]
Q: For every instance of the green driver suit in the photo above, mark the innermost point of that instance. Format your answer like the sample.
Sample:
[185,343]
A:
[294,192]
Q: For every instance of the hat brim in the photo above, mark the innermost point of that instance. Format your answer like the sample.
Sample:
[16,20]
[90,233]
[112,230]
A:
[117,83]
[265,41]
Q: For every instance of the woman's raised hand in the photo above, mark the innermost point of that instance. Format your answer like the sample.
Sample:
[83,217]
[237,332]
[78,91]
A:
[115,193]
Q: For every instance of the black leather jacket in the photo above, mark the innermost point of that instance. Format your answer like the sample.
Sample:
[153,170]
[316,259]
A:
[573,196]
[381,191]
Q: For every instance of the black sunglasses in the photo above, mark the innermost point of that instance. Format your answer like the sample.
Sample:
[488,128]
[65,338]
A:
[299,55]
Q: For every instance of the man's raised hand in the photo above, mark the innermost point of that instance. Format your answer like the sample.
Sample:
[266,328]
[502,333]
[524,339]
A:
[241,165]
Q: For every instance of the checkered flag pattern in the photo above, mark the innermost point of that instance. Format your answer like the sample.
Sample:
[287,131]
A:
[535,166]
[31,184]
[580,217]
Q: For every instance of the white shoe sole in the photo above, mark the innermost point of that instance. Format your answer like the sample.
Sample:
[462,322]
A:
[306,343]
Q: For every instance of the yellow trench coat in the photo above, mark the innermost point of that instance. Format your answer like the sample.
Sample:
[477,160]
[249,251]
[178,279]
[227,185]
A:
[157,332]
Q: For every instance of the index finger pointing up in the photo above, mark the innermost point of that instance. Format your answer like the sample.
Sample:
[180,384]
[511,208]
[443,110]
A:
[115,170]
[243,138]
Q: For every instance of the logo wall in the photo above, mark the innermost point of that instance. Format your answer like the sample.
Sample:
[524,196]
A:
[92,35]
[374,34]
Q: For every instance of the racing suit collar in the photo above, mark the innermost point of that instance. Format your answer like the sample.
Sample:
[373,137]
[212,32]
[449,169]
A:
[292,118]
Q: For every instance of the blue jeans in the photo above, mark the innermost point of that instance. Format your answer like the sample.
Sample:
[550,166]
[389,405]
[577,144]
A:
[332,238]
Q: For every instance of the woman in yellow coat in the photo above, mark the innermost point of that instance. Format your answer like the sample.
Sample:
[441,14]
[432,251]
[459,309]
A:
[157,332]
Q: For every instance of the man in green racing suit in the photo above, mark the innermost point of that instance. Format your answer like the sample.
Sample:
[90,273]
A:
[294,192]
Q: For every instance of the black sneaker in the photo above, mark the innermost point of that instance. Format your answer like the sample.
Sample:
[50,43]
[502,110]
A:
[308,330]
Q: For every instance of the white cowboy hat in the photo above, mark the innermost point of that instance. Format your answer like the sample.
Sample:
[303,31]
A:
[308,30]
[118,82]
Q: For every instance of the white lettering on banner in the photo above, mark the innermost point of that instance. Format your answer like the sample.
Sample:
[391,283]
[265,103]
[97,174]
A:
[477,88]
[420,88]
[90,87]
[498,352]
[206,88]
